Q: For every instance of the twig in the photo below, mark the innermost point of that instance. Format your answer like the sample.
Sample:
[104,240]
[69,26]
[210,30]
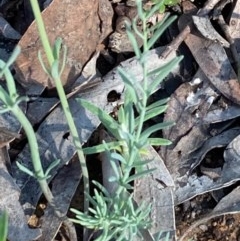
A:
[208,7]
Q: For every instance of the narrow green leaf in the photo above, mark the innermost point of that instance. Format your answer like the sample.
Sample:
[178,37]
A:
[162,8]
[125,135]
[159,142]
[140,10]
[128,81]
[93,211]
[57,48]
[45,69]
[160,31]
[168,65]
[114,145]
[51,166]
[158,103]
[127,186]
[3,226]
[4,96]
[167,237]
[166,69]
[110,124]
[145,134]
[143,59]
[120,158]
[55,70]
[91,200]
[140,174]
[64,60]
[133,41]
[141,163]
[4,110]
[11,87]
[171,2]
[129,113]
[159,70]
[101,188]
[10,61]
[130,96]
[112,179]
[141,144]
[152,113]
[121,115]
[136,29]
[116,168]
[131,119]
[24,169]
[21,99]
[157,236]
[153,10]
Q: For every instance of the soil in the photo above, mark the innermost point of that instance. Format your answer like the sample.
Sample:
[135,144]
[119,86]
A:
[222,228]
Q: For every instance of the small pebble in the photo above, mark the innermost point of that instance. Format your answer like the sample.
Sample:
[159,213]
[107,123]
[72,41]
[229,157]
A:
[230,221]
[203,227]
[193,215]
[214,224]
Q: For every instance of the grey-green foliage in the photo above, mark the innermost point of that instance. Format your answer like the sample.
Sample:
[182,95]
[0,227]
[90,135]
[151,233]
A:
[3,226]
[164,3]
[117,215]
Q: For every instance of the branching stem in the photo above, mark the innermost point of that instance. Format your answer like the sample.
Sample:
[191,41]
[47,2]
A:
[62,97]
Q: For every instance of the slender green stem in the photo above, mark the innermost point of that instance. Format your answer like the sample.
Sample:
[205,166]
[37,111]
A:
[42,31]
[132,152]
[63,99]
[145,82]
[76,138]
[33,145]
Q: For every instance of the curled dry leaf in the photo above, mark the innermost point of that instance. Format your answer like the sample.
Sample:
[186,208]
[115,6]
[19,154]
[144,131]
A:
[187,107]
[204,26]
[214,62]
[222,114]
[77,23]
[191,185]
[217,141]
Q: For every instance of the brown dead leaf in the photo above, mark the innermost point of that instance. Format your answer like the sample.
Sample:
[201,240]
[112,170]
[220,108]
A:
[82,27]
